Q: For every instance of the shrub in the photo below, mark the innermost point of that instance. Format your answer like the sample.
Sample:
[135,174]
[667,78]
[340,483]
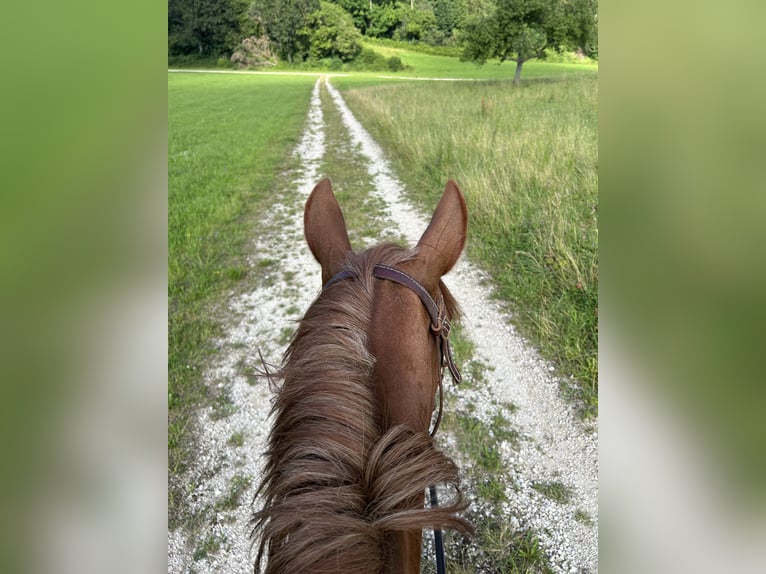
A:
[384,19]
[330,33]
[563,57]
[370,60]
[335,64]
[417,24]
[395,64]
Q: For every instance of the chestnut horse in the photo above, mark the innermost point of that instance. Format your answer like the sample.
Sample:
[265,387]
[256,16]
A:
[349,457]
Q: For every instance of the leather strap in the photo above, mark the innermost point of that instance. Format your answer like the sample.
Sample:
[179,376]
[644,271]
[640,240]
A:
[440,325]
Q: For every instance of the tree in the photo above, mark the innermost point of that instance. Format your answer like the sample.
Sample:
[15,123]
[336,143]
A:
[282,20]
[521,30]
[330,32]
[416,24]
[384,19]
[359,10]
[201,26]
[449,15]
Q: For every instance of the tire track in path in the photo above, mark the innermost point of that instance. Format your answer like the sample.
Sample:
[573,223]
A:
[556,445]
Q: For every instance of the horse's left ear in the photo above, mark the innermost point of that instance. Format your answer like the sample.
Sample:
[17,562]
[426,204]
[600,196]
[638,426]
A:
[325,229]
[443,240]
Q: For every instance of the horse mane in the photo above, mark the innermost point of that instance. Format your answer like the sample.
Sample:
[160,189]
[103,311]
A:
[334,484]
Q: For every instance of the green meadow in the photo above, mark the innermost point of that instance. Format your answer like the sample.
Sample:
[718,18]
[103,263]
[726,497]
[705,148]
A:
[526,158]
[422,65]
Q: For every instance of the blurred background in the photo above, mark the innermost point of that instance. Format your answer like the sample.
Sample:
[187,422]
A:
[83,300]
[682,135]
[83,309]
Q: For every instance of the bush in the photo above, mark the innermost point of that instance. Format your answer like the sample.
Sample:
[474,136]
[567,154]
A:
[561,57]
[417,24]
[330,33]
[335,64]
[385,19]
[370,60]
[395,64]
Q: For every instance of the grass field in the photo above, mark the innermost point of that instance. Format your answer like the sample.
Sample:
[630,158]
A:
[227,137]
[420,65]
[526,158]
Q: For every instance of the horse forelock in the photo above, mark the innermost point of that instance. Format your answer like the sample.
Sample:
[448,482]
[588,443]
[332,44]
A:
[331,479]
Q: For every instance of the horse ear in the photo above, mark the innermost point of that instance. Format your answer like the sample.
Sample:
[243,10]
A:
[443,240]
[325,229]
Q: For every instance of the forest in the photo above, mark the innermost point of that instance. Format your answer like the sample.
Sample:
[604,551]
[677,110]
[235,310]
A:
[325,33]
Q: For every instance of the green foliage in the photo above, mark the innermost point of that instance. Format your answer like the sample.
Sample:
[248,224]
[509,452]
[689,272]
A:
[526,160]
[384,19]
[419,47]
[203,27]
[369,60]
[526,555]
[395,64]
[192,61]
[449,15]
[515,29]
[512,30]
[563,57]
[359,10]
[215,183]
[248,26]
[556,491]
[330,32]
[520,30]
[283,20]
[400,22]
[335,64]
[416,24]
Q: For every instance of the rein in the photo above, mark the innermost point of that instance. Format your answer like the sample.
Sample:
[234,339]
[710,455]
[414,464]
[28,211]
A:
[440,328]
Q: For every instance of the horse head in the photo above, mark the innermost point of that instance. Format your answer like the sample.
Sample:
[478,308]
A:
[350,456]
[408,360]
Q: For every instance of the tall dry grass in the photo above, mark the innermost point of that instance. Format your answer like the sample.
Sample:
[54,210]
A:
[526,158]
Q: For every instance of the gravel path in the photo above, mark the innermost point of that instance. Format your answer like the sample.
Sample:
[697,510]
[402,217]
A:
[555,446]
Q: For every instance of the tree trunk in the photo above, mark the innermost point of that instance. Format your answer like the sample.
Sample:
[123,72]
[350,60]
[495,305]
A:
[517,75]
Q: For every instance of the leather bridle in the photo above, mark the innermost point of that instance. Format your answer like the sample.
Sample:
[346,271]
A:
[440,327]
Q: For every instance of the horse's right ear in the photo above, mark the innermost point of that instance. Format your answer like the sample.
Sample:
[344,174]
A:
[325,229]
[442,242]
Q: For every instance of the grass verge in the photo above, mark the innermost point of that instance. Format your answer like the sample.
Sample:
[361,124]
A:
[526,158]
[227,138]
